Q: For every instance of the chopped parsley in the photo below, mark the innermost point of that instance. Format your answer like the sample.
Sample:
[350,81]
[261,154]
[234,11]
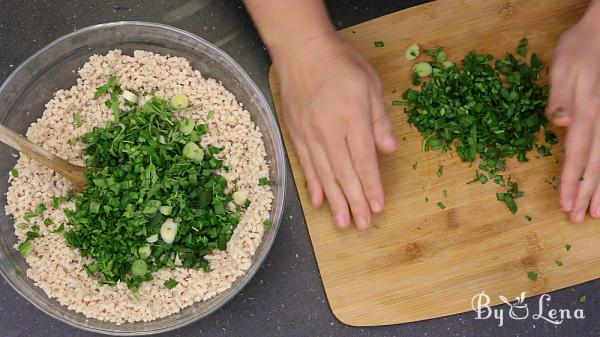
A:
[378,44]
[171,283]
[146,166]
[489,109]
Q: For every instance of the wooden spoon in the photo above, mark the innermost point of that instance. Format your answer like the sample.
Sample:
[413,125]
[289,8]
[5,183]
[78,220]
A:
[74,173]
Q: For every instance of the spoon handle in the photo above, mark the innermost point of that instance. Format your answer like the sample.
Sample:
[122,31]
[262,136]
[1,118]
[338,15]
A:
[74,173]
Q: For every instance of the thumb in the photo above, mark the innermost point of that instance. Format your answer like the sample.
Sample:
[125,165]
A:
[382,125]
[560,103]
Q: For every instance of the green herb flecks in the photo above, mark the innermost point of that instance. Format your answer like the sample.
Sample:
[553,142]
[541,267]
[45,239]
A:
[378,44]
[510,195]
[568,247]
[441,205]
[14,173]
[554,182]
[532,276]
[522,47]
[559,263]
[77,119]
[544,151]
[582,299]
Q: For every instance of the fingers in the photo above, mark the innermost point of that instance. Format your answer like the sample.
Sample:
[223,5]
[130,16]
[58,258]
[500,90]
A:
[382,126]
[350,183]
[580,137]
[364,158]
[312,181]
[589,184]
[335,195]
[576,156]
[561,101]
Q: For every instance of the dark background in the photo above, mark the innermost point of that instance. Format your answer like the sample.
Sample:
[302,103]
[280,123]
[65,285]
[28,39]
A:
[286,297]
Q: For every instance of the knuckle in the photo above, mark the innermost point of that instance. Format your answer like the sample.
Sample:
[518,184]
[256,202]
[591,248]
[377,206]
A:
[325,176]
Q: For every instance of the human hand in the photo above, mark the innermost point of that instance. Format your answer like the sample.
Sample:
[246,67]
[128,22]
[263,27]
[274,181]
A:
[575,103]
[333,110]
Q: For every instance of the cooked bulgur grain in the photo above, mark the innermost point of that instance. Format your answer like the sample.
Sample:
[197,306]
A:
[60,272]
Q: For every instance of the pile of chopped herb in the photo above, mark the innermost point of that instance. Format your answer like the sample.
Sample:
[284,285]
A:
[155,199]
[488,108]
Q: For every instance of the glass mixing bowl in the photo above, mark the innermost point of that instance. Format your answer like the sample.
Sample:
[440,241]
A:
[26,91]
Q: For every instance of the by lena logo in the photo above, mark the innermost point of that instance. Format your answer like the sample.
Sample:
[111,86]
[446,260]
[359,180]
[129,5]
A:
[519,310]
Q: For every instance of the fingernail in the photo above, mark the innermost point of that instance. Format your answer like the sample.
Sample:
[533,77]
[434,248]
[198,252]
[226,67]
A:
[376,206]
[597,214]
[568,206]
[558,113]
[389,141]
[341,221]
[314,200]
[361,222]
[580,216]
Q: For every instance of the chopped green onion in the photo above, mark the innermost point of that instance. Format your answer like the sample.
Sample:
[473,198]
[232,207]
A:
[180,101]
[152,238]
[240,197]
[77,119]
[25,248]
[129,96]
[168,230]
[186,126]
[412,52]
[192,151]
[139,268]
[14,173]
[165,210]
[422,69]
[144,251]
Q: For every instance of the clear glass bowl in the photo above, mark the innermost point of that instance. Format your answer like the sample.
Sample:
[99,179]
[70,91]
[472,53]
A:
[32,84]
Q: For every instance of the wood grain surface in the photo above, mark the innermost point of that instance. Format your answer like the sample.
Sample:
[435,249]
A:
[422,262]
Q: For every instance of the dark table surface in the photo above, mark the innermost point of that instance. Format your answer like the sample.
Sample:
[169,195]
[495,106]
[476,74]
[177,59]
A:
[286,297]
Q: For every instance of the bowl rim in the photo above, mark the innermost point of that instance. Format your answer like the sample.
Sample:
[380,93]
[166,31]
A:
[277,206]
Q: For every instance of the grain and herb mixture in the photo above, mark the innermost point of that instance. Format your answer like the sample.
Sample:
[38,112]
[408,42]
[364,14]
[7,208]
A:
[194,245]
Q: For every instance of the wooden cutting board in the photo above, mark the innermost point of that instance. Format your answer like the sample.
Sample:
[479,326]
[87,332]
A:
[422,262]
